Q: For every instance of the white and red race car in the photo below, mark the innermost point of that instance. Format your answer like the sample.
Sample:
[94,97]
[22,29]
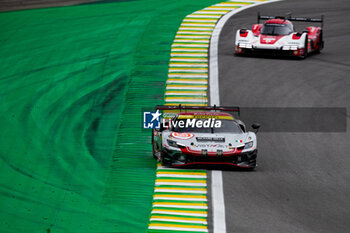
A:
[277,36]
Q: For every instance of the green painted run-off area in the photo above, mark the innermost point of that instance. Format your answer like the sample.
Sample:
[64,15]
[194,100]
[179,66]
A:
[73,81]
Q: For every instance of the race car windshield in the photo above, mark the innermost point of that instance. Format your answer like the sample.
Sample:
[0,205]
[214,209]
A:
[226,126]
[276,29]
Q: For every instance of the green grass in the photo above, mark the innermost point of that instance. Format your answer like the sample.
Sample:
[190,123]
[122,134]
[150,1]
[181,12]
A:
[73,83]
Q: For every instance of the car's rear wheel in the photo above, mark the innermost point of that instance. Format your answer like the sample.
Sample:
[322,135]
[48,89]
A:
[320,43]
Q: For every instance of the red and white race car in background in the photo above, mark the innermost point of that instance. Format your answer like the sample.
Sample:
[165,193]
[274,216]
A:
[277,36]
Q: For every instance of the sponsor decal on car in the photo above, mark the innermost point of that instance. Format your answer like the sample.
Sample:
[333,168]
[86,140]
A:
[182,135]
[210,146]
[210,139]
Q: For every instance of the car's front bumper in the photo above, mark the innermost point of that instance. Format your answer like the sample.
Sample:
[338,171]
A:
[177,159]
[269,51]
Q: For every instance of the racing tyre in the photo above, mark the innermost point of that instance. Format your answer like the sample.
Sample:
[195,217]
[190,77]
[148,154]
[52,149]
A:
[306,48]
[153,150]
[320,43]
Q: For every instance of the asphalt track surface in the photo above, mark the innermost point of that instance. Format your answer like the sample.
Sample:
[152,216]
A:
[302,182]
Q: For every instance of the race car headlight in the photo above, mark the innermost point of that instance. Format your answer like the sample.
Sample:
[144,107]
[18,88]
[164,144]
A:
[175,144]
[248,145]
[172,143]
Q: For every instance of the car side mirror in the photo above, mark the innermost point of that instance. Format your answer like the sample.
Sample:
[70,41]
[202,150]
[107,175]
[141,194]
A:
[256,126]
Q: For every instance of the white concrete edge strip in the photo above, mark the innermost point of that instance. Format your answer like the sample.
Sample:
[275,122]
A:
[188,75]
[181,206]
[188,69]
[186,100]
[179,213]
[177,229]
[190,45]
[181,184]
[186,88]
[179,199]
[219,222]
[182,175]
[185,49]
[184,94]
[178,191]
[194,40]
[200,20]
[188,65]
[176,220]
[192,53]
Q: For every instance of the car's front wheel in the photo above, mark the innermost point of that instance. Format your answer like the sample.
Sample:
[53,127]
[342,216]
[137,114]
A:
[306,45]
[154,151]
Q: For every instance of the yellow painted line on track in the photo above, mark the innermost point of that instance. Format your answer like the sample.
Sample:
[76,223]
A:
[186,87]
[194,32]
[185,104]
[187,77]
[228,6]
[183,64]
[183,205]
[185,49]
[181,196]
[200,20]
[204,16]
[220,12]
[181,93]
[204,222]
[188,49]
[181,181]
[199,54]
[182,189]
[190,45]
[178,218]
[198,24]
[193,36]
[196,28]
[189,69]
[204,81]
[189,59]
[186,99]
[178,101]
[204,212]
[199,73]
[181,176]
[235,3]
[181,172]
[205,40]
[177,225]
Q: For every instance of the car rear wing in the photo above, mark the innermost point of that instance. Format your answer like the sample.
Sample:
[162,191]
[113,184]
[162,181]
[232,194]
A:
[290,18]
[197,108]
